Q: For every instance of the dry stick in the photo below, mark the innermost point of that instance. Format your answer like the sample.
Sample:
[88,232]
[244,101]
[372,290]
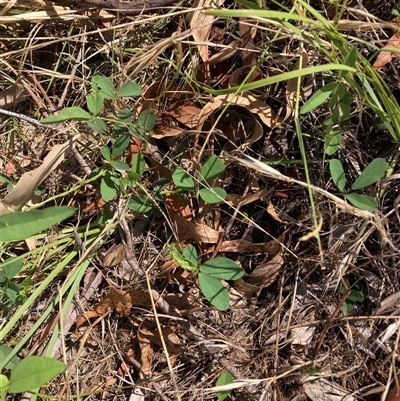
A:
[42,91]
[125,7]
[30,120]
[128,247]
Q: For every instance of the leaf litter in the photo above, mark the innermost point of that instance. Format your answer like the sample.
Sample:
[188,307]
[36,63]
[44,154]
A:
[273,311]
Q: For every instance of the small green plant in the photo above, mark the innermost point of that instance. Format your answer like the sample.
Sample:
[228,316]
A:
[223,379]
[311,370]
[339,104]
[358,294]
[372,173]
[12,293]
[212,168]
[209,274]
[116,174]
[28,374]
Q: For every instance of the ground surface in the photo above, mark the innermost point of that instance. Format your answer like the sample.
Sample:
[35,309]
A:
[316,315]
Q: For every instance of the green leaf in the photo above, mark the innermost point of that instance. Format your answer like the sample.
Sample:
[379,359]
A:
[4,383]
[338,94]
[120,166]
[337,174]
[124,119]
[5,350]
[332,141]
[225,378]
[33,372]
[350,60]
[109,187]
[105,84]
[130,89]
[4,178]
[183,180]
[190,254]
[182,260]
[138,166]
[361,201]
[318,98]
[340,113]
[13,293]
[356,296]
[106,153]
[11,267]
[98,125]
[348,307]
[125,115]
[212,195]
[214,291]
[140,204]
[212,168]
[19,226]
[222,268]
[120,145]
[147,120]
[68,114]
[371,174]
[95,102]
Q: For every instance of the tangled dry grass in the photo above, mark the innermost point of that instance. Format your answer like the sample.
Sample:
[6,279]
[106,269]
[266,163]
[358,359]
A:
[317,315]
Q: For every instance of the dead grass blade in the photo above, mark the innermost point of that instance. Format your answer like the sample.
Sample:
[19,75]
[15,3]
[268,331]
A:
[385,57]
[201,25]
[25,189]
[275,174]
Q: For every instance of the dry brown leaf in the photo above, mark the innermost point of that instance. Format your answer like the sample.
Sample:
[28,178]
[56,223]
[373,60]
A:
[243,246]
[186,230]
[326,390]
[12,96]
[181,302]
[394,394]
[225,53]
[247,33]
[114,256]
[25,189]
[234,199]
[385,57]
[201,25]
[170,338]
[175,204]
[266,273]
[118,300]
[246,100]
[247,290]
[122,301]
[165,132]
[146,353]
[186,113]
[180,216]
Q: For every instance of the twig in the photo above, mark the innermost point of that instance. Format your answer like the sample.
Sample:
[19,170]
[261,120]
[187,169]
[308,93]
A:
[30,120]
[329,322]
